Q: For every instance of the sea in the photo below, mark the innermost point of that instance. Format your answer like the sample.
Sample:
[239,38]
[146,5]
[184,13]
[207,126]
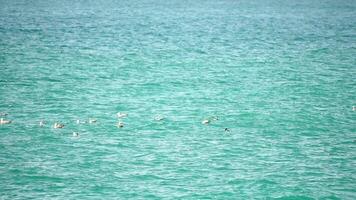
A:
[225,99]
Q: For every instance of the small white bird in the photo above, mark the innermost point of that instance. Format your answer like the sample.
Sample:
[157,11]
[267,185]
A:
[3,121]
[158,118]
[75,134]
[80,122]
[353,108]
[3,114]
[42,123]
[215,118]
[205,121]
[91,121]
[121,115]
[120,124]
[58,125]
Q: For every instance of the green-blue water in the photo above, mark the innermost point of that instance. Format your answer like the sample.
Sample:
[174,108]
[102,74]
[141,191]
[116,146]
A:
[279,74]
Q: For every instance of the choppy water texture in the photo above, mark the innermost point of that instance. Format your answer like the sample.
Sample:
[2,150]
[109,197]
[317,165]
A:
[279,74]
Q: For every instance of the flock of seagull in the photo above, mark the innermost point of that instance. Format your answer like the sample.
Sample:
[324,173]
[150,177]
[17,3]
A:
[119,124]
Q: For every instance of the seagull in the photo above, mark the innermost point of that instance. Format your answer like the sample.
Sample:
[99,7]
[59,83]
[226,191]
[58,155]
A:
[205,121]
[91,121]
[227,130]
[158,118]
[120,124]
[215,118]
[3,114]
[209,119]
[80,122]
[3,121]
[121,115]
[42,123]
[75,134]
[58,125]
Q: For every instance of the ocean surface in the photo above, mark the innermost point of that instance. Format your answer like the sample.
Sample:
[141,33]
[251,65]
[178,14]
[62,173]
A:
[279,75]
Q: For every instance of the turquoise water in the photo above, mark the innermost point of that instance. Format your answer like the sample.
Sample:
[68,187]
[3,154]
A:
[280,75]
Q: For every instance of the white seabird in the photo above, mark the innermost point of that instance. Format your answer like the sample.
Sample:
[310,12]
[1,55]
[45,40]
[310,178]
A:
[205,121]
[91,121]
[120,124]
[215,118]
[158,118]
[3,121]
[3,114]
[58,125]
[121,115]
[80,122]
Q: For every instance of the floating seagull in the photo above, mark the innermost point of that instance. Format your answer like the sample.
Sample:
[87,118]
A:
[205,121]
[158,118]
[3,114]
[42,123]
[209,119]
[215,118]
[227,130]
[80,122]
[121,115]
[91,121]
[3,121]
[353,108]
[75,134]
[58,125]
[120,124]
